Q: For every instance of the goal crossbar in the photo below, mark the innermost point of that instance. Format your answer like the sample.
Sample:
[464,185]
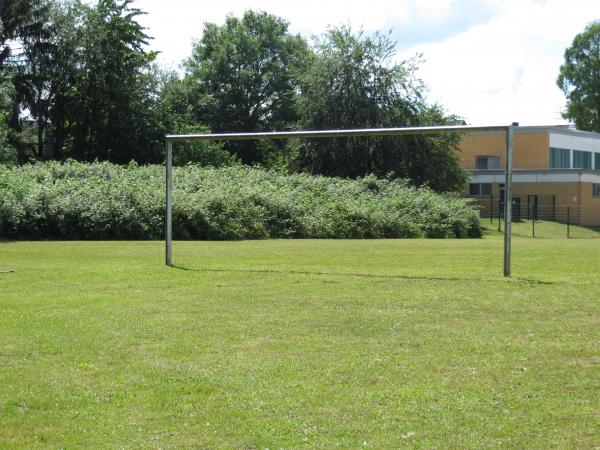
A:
[373,132]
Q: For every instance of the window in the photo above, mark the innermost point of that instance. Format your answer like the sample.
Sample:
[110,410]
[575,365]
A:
[487,162]
[560,158]
[597,161]
[582,160]
[596,190]
[480,189]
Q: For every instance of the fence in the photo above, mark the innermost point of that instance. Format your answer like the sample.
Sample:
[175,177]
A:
[541,217]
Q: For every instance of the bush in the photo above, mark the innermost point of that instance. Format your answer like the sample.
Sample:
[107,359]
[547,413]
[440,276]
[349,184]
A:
[106,201]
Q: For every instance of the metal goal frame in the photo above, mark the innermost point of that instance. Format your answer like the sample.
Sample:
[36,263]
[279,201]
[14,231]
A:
[369,132]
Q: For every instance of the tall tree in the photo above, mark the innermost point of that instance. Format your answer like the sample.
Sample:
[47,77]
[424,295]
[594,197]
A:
[62,73]
[5,100]
[353,83]
[114,102]
[20,19]
[7,151]
[23,24]
[579,79]
[91,86]
[177,118]
[242,77]
[33,81]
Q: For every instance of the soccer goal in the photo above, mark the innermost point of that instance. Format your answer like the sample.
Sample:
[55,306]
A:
[321,134]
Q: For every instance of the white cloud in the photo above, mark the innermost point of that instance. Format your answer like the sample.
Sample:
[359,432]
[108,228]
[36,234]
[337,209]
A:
[175,23]
[435,9]
[505,70]
[491,61]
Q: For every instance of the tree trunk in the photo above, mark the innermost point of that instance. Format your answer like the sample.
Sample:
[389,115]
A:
[40,139]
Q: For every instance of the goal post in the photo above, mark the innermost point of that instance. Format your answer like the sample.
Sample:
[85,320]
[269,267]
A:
[368,132]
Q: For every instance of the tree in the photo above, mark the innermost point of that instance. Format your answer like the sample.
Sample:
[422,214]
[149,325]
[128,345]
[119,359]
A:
[242,77]
[32,79]
[352,83]
[89,83]
[114,105]
[62,73]
[177,118]
[579,79]
[7,151]
[22,22]
[20,19]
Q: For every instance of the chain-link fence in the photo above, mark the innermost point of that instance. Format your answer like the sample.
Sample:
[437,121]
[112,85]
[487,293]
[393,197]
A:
[541,217]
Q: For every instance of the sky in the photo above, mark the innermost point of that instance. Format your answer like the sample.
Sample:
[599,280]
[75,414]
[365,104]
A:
[489,61]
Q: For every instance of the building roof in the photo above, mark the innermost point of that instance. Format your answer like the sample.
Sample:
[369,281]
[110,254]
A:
[558,129]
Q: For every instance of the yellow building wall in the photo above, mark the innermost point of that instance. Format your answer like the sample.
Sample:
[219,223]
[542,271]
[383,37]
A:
[531,150]
[565,193]
[590,206]
[583,208]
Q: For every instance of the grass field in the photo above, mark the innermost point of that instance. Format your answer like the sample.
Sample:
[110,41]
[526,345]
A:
[542,229]
[300,344]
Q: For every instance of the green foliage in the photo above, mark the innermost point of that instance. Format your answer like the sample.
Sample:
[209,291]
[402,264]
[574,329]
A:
[90,86]
[177,118]
[105,201]
[579,79]
[353,83]
[204,153]
[85,77]
[242,77]
[7,152]
[48,75]
[20,19]
[114,108]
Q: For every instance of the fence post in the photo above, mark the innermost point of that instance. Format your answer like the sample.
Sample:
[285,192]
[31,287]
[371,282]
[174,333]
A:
[499,215]
[491,208]
[499,222]
[568,222]
[533,223]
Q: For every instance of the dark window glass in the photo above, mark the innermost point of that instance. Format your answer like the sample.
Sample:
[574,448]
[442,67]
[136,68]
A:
[596,190]
[480,189]
[582,160]
[560,158]
[487,162]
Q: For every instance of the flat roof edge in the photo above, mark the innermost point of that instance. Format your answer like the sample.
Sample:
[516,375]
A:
[558,129]
[536,171]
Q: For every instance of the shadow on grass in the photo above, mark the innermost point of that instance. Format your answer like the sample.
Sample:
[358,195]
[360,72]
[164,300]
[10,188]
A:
[366,275]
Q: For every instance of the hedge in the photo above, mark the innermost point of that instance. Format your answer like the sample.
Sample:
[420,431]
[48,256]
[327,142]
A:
[105,201]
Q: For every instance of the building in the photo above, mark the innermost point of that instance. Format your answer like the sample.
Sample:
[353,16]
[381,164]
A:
[556,173]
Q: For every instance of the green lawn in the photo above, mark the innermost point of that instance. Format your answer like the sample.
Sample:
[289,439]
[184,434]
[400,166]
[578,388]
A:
[542,229]
[300,344]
